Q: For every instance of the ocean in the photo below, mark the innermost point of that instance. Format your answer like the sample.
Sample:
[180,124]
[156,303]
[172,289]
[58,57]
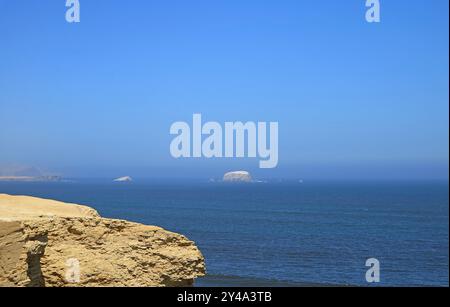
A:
[287,233]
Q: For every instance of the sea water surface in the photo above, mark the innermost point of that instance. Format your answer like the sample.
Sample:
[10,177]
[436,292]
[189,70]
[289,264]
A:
[285,234]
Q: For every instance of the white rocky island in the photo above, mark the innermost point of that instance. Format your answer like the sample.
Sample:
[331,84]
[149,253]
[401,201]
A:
[123,179]
[237,176]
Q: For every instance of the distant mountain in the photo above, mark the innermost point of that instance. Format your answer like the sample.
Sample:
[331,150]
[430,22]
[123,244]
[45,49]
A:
[25,173]
[20,171]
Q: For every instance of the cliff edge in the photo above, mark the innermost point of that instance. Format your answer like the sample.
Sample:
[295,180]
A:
[50,243]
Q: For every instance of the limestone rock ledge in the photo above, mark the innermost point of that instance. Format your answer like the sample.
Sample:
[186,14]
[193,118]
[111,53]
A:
[49,243]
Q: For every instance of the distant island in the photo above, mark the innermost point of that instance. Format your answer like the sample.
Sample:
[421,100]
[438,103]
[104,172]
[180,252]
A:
[25,173]
[30,178]
[237,176]
[123,179]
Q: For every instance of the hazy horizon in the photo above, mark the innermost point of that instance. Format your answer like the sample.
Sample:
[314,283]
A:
[204,173]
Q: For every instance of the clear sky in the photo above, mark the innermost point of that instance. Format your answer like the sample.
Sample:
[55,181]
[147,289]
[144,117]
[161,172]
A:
[353,99]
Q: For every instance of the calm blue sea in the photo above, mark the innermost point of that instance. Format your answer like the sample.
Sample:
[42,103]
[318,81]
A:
[278,234]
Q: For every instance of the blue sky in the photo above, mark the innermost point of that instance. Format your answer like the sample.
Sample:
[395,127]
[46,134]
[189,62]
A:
[353,99]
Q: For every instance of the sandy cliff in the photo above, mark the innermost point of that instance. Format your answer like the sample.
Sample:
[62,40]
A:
[49,243]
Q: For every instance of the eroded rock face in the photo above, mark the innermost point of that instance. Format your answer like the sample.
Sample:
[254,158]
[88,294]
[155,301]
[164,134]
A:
[239,176]
[74,246]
